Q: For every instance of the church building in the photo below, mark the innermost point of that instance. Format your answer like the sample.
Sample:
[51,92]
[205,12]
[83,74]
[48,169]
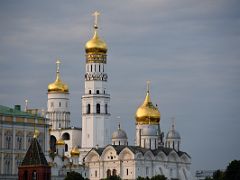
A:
[103,153]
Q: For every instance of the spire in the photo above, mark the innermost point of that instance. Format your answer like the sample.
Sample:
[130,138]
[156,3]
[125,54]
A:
[148,85]
[96,14]
[147,98]
[58,62]
[26,105]
[173,123]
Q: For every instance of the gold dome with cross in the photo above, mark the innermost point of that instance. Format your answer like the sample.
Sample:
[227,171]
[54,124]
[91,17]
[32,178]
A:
[58,85]
[96,44]
[147,113]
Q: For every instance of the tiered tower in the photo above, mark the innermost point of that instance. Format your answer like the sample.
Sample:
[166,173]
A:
[58,103]
[95,101]
[148,134]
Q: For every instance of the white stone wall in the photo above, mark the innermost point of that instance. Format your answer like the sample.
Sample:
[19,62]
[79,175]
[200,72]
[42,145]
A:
[58,110]
[130,166]
[74,141]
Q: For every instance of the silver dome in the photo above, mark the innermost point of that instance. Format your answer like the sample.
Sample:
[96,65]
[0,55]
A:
[119,134]
[173,134]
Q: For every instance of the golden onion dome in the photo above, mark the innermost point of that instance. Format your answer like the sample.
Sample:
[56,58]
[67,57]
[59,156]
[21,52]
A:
[60,142]
[58,85]
[75,152]
[147,113]
[96,44]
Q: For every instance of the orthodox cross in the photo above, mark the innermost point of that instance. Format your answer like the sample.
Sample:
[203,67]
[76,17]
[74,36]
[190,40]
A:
[173,122]
[148,84]
[96,14]
[58,65]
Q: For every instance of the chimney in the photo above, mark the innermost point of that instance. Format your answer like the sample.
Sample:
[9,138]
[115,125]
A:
[17,107]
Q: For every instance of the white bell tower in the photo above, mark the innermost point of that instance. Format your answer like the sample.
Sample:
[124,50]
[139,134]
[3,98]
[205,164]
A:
[58,103]
[96,99]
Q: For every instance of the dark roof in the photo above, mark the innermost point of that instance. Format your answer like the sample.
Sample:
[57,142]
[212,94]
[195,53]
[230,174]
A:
[137,149]
[34,155]
[7,111]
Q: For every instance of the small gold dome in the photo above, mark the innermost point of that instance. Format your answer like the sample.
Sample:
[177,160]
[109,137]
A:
[96,44]
[60,142]
[147,113]
[75,152]
[58,85]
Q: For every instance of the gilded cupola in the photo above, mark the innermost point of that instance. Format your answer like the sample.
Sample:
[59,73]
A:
[96,45]
[147,113]
[58,85]
[60,142]
[75,152]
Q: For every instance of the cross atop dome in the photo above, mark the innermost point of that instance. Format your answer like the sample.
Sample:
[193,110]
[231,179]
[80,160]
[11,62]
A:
[58,62]
[96,14]
[148,85]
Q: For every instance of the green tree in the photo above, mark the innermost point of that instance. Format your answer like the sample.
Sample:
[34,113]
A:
[233,171]
[218,175]
[159,177]
[208,178]
[74,176]
[112,178]
[140,178]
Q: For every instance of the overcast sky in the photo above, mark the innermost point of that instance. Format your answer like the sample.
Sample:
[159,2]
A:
[188,49]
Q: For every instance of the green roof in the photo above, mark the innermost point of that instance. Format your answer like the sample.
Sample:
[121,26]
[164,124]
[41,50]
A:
[7,111]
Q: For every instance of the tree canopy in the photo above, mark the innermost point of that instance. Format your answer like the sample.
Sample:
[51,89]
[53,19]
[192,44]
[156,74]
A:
[74,176]
[232,172]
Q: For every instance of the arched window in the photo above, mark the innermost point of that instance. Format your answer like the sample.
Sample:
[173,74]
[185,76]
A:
[95,68]
[98,108]
[127,171]
[114,172]
[97,92]
[7,164]
[34,175]
[8,140]
[88,109]
[19,142]
[106,108]
[66,148]
[108,173]
[103,68]
[66,136]
[99,68]
[60,104]
[90,92]
[53,143]
[91,68]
